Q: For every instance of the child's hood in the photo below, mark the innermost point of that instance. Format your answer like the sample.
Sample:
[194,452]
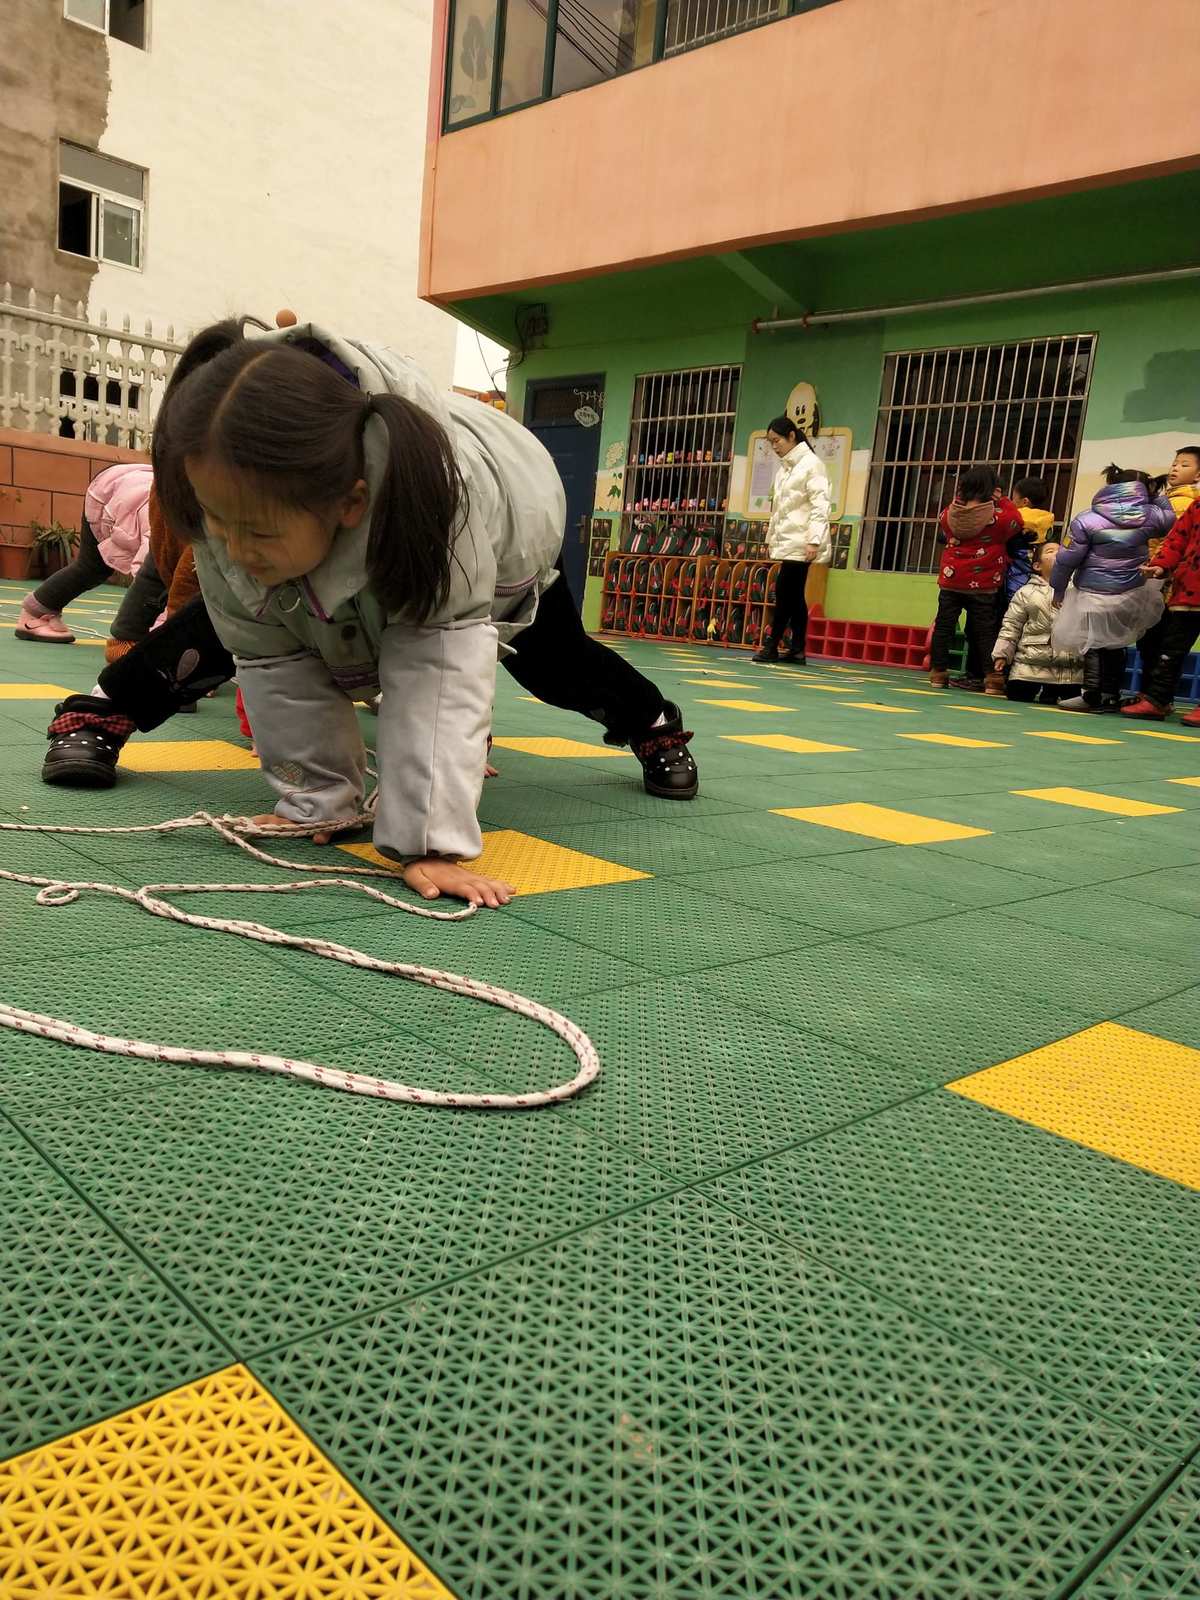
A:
[1039,521]
[1124,505]
[968,521]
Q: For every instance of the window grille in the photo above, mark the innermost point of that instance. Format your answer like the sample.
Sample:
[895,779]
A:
[1016,407]
[681,448]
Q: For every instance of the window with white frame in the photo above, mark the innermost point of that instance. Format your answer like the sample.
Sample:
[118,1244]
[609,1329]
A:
[101,203]
[122,19]
[1017,407]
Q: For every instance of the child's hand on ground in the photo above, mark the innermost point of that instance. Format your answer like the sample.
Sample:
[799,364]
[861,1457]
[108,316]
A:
[433,877]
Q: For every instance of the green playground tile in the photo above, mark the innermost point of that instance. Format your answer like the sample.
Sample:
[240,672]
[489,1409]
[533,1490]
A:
[279,1208]
[86,1328]
[204,992]
[692,1085]
[1177,1018]
[971,882]
[1107,917]
[783,836]
[529,808]
[1078,1270]
[1173,888]
[1078,852]
[628,799]
[821,896]
[41,934]
[660,847]
[659,925]
[898,1008]
[492,946]
[1052,963]
[1159,1559]
[668,1404]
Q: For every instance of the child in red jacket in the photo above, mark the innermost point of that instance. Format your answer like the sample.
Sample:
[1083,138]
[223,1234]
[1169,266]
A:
[976,525]
[1177,558]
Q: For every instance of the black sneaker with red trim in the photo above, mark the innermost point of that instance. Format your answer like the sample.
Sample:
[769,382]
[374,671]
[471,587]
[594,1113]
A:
[86,738]
[668,770]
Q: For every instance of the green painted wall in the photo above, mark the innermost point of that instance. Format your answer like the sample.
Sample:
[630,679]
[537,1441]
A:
[1146,378]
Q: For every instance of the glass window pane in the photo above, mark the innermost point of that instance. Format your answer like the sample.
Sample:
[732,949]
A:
[93,12]
[127,22]
[599,39]
[472,47]
[524,53]
[692,22]
[119,233]
[75,219]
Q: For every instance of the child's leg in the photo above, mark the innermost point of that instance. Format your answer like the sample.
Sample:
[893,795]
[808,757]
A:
[799,617]
[1112,674]
[87,569]
[1021,689]
[142,603]
[171,669]
[982,626]
[557,661]
[1179,635]
[950,604]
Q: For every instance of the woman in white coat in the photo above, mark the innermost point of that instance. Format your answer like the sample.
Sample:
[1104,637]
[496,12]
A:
[798,535]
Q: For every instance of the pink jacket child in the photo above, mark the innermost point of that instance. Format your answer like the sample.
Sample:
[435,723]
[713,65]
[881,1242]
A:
[114,536]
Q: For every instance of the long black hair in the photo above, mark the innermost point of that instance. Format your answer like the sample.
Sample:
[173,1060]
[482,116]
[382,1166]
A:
[787,429]
[290,423]
[1115,474]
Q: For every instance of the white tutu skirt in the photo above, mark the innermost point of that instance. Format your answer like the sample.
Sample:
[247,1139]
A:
[1105,621]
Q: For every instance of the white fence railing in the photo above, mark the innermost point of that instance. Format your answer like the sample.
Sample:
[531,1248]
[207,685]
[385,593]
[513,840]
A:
[63,374]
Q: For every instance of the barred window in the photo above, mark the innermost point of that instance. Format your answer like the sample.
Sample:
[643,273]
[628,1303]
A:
[681,448]
[1016,407]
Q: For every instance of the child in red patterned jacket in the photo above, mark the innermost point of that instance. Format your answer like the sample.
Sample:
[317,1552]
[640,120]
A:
[976,525]
[1179,559]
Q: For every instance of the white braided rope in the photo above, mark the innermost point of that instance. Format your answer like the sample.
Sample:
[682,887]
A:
[237,831]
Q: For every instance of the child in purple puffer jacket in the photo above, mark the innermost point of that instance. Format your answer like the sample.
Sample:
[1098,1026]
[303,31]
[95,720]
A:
[1110,604]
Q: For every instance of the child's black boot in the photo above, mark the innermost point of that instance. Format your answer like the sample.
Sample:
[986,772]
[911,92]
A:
[86,738]
[667,766]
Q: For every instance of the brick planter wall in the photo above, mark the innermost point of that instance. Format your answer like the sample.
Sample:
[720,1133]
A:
[43,479]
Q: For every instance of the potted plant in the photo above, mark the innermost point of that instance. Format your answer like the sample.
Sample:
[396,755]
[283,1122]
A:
[52,548]
[14,560]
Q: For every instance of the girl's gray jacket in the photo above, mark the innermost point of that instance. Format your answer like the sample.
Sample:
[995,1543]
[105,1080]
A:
[305,650]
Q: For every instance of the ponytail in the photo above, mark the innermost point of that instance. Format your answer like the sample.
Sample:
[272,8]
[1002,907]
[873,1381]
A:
[417,509]
[1115,474]
[287,420]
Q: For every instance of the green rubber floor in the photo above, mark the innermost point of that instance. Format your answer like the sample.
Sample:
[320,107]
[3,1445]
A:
[768,1311]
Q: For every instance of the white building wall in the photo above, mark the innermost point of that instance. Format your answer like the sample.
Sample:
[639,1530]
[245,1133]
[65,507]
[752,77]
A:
[284,142]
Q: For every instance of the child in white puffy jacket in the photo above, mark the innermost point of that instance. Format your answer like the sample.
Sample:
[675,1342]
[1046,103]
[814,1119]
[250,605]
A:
[797,535]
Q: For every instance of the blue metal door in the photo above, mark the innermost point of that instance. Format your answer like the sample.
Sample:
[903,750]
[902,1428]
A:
[565,414]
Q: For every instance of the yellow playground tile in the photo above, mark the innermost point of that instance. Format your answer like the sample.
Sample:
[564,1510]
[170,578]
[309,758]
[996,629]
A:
[786,741]
[1066,738]
[826,688]
[953,739]
[1157,733]
[532,866]
[557,749]
[934,694]
[96,643]
[1092,801]
[874,705]
[211,1488]
[746,705]
[878,822]
[716,683]
[32,691]
[982,711]
[1119,1091]
[187,755]
[1192,783]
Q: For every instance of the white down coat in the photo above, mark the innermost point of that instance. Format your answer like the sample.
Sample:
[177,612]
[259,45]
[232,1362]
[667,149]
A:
[800,508]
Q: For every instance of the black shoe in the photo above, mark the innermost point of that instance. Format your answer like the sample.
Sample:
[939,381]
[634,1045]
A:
[668,770]
[185,709]
[971,685]
[86,738]
[796,657]
[769,652]
[1111,702]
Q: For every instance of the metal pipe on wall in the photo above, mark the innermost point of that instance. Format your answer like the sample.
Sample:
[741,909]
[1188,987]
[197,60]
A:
[824,319]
